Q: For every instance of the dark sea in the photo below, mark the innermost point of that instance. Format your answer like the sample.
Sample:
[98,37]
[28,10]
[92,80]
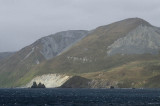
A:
[79,97]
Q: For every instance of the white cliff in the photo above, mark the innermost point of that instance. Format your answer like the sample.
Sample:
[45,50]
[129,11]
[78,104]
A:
[49,80]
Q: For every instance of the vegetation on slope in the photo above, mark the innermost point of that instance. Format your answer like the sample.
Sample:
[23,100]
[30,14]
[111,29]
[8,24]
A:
[90,56]
[136,74]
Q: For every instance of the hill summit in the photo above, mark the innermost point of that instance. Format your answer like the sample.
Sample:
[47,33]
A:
[121,54]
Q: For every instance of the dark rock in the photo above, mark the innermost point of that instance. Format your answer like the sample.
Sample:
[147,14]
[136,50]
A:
[76,82]
[111,87]
[40,85]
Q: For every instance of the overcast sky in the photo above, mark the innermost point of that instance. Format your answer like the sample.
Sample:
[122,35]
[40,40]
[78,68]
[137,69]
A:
[24,21]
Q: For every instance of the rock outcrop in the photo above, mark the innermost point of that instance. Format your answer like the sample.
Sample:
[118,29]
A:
[142,40]
[101,83]
[54,44]
[38,86]
[76,82]
[49,80]
[81,82]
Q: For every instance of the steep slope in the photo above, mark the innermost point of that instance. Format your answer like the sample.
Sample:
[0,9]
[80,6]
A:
[143,39]
[105,48]
[55,44]
[19,64]
[76,82]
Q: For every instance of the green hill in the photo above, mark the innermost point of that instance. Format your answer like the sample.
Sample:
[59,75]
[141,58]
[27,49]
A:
[90,57]
[18,65]
[122,54]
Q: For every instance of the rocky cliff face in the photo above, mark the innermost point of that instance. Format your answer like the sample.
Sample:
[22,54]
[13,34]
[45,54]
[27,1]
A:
[49,80]
[82,82]
[143,39]
[54,44]
[76,82]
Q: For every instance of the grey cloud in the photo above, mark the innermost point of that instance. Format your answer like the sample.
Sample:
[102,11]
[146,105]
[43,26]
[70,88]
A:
[24,21]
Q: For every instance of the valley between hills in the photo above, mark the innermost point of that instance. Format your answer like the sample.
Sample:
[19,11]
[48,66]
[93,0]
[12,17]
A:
[124,54]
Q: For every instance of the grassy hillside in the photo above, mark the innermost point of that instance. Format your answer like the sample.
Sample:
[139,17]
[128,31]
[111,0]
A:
[131,71]
[133,74]
[18,65]
[89,58]
[15,67]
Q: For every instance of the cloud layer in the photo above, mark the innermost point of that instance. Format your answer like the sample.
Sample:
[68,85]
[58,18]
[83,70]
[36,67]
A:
[24,21]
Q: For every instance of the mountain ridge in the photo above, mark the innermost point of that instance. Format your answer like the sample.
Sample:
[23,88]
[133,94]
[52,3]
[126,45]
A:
[90,54]
[89,57]
[41,50]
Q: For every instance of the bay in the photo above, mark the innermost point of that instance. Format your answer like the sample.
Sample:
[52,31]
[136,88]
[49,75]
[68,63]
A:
[79,97]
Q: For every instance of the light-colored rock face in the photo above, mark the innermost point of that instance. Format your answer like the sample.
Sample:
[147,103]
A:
[49,80]
[57,43]
[50,46]
[144,39]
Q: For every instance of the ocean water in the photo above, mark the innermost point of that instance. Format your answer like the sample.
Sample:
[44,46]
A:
[79,97]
